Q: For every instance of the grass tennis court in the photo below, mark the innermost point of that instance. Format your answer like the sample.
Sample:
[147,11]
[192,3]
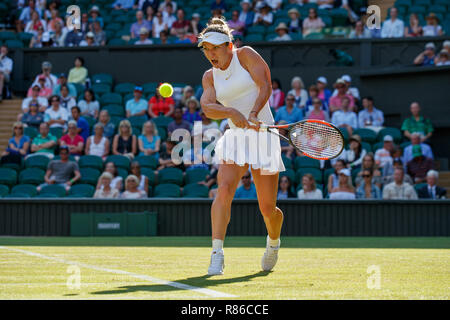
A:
[175,268]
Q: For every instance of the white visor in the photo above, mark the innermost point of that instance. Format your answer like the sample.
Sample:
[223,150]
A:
[215,38]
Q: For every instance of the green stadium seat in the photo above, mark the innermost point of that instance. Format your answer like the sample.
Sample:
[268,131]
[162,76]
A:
[4,190]
[436,8]
[89,176]
[404,3]
[316,173]
[137,121]
[37,161]
[394,132]
[124,88]
[290,173]
[48,195]
[123,19]
[90,161]
[85,190]
[16,167]
[101,88]
[117,42]
[270,36]
[57,189]
[254,38]
[122,173]
[120,161]
[8,176]
[195,190]
[287,162]
[405,144]
[150,87]
[417,9]
[31,132]
[296,36]
[162,121]
[103,78]
[147,162]
[90,120]
[129,96]
[32,176]
[256,29]
[366,135]
[195,175]
[136,130]
[377,146]
[150,174]
[306,162]
[16,44]
[25,37]
[17,195]
[314,36]
[167,190]
[327,20]
[170,175]
[25,188]
[111,98]
[115,110]
[419,186]
[422,3]
[442,3]
[114,26]
[162,133]
[57,132]
[366,146]
[7,35]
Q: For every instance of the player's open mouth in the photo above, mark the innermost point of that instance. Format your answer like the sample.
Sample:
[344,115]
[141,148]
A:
[214,61]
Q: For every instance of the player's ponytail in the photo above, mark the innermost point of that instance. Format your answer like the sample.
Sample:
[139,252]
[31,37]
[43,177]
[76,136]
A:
[217,24]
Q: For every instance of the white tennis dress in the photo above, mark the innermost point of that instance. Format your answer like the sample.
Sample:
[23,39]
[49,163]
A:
[236,89]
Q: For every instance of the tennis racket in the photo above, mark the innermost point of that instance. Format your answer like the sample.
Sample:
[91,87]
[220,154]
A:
[316,139]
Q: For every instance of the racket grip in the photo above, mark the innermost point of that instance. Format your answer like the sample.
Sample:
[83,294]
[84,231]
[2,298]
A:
[263,127]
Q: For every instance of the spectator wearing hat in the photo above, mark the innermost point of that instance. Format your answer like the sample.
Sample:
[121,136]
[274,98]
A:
[89,40]
[55,116]
[83,128]
[299,92]
[94,16]
[324,93]
[345,189]
[360,31]
[370,117]
[289,113]
[264,15]
[426,58]
[78,73]
[44,143]
[62,80]
[337,101]
[34,97]
[181,25]
[88,105]
[72,139]
[192,113]
[432,190]
[143,37]
[344,117]
[353,91]
[237,25]
[140,23]
[6,66]
[414,29]
[313,23]
[99,34]
[417,123]
[295,23]
[383,156]
[18,146]
[136,106]
[398,189]
[247,16]
[416,140]
[283,32]
[157,105]
[50,79]
[442,59]
[393,27]
[432,28]
[33,118]
[418,167]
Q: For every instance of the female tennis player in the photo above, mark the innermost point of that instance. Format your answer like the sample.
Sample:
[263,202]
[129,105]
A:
[238,87]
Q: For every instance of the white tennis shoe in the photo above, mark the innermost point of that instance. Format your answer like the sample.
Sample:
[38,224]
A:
[217,263]
[270,257]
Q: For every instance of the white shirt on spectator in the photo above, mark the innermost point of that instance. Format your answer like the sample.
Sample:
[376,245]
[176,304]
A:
[393,29]
[341,117]
[353,91]
[146,41]
[384,156]
[29,27]
[405,191]
[316,194]
[372,119]
[50,82]
[169,19]
[43,102]
[267,18]
[342,195]
[60,114]
[6,65]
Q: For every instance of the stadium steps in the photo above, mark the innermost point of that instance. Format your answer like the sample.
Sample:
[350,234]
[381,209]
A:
[9,109]
[444,181]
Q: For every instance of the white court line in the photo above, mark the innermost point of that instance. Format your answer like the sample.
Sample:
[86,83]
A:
[209,292]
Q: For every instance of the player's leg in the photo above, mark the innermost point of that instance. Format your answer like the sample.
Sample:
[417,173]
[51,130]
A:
[227,179]
[266,189]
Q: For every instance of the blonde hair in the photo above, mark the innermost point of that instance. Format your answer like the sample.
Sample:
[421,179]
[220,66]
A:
[17,123]
[155,129]
[131,177]
[295,79]
[106,175]
[125,123]
[217,24]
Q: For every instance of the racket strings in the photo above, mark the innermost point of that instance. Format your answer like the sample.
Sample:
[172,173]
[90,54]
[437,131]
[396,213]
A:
[316,140]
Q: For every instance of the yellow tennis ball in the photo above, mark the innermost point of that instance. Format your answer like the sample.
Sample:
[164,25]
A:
[166,90]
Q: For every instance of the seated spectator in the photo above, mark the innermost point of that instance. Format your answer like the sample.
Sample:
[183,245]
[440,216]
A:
[247,16]
[123,5]
[313,23]
[333,179]
[188,92]
[192,113]
[317,111]
[6,66]
[218,4]
[324,93]
[393,27]
[89,40]
[193,158]
[97,144]
[25,15]
[149,142]
[94,16]
[336,101]
[299,92]
[72,139]
[432,28]
[17,146]
[131,189]
[263,14]
[371,117]
[314,93]
[388,173]
[284,188]
[368,163]
[159,24]
[62,172]
[309,189]
[116,182]
[426,58]
[276,99]
[195,26]
[33,118]
[415,140]
[44,92]
[135,169]
[79,73]
[62,80]
[165,157]
[178,122]
[417,123]
[383,156]
[143,37]
[398,189]
[35,23]
[85,26]
[181,25]
[414,29]
[89,106]
[66,100]
[442,59]
[109,129]
[136,106]
[168,15]
[283,33]
[158,105]
[162,5]
[183,37]
[59,35]
[345,189]
[418,167]
[55,116]
[355,154]
[247,190]
[295,23]
[42,102]
[106,192]
[446,46]
[353,91]
[325,4]
[432,190]
[289,113]
[125,143]
[344,118]
[99,34]
[149,9]
[44,143]
[139,24]
[73,38]
[84,129]
[207,123]
[237,25]
[360,31]
[367,189]
[38,38]
[275,4]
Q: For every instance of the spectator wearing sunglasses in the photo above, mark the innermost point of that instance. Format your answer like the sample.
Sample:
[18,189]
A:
[367,189]
[17,146]
[247,190]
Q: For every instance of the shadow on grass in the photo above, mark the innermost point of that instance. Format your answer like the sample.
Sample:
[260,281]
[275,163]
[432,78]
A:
[203,282]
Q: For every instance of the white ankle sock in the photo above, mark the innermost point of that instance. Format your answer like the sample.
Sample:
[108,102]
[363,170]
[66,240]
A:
[217,245]
[273,243]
